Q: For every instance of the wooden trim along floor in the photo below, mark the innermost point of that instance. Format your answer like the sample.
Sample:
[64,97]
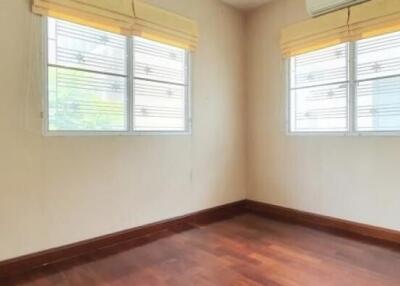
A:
[381,236]
[28,262]
[372,234]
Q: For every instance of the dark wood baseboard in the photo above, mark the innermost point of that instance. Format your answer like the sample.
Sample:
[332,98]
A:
[381,236]
[35,260]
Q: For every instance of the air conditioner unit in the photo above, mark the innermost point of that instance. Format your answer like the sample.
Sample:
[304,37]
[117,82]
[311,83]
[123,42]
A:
[319,7]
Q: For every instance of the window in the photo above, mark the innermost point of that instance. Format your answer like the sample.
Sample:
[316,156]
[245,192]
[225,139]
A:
[99,82]
[351,88]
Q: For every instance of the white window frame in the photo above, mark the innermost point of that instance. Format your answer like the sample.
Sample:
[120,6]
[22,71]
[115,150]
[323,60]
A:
[130,98]
[352,103]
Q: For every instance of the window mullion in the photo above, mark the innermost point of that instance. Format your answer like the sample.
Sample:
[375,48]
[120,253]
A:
[352,87]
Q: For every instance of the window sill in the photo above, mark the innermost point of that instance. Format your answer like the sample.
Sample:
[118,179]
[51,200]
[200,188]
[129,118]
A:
[345,134]
[116,133]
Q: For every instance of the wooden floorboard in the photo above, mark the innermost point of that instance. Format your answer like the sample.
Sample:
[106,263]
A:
[245,250]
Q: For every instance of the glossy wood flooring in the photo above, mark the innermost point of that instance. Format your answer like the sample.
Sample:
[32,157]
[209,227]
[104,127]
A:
[245,250]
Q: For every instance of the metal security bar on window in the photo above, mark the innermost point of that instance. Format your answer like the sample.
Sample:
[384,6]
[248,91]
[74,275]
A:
[319,90]
[160,86]
[99,81]
[352,88]
[378,83]
[87,79]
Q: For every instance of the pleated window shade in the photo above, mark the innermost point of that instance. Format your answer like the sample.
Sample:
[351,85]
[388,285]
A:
[162,26]
[115,16]
[126,17]
[315,34]
[373,18]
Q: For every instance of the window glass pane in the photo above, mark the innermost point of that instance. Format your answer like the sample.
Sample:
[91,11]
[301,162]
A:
[378,86]
[155,61]
[378,105]
[76,46]
[378,57]
[83,101]
[325,66]
[159,106]
[319,109]
[319,91]
[160,87]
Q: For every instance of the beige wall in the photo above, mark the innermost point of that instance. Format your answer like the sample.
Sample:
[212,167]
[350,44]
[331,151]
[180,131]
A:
[350,178]
[55,190]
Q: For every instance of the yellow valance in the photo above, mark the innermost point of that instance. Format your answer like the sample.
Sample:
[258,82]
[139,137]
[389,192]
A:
[373,18]
[126,17]
[157,24]
[115,16]
[315,34]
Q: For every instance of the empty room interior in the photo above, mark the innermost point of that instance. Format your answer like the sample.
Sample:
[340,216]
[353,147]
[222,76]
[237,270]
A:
[200,142]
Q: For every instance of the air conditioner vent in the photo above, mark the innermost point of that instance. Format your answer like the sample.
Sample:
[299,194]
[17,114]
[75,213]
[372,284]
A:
[319,7]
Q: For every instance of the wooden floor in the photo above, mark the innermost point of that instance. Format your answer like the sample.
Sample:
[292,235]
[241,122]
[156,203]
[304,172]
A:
[246,250]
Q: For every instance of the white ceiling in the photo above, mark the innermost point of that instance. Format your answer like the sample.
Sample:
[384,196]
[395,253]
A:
[246,4]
